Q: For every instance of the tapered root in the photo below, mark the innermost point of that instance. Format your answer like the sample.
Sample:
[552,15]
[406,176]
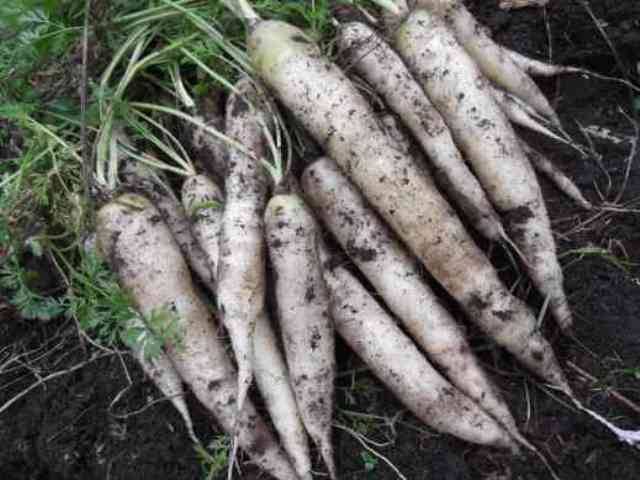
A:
[523,115]
[496,62]
[560,180]
[326,451]
[538,67]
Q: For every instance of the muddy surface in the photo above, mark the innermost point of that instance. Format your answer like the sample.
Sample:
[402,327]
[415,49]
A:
[87,424]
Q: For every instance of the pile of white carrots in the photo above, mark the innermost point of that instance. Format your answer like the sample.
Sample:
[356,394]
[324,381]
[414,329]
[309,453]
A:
[392,191]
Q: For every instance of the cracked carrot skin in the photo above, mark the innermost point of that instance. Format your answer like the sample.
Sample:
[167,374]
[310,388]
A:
[149,264]
[303,313]
[363,50]
[325,102]
[241,266]
[463,96]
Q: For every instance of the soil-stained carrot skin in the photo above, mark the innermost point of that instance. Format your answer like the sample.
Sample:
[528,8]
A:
[540,68]
[303,311]
[274,383]
[163,374]
[494,61]
[203,202]
[523,115]
[396,278]
[363,50]
[326,103]
[241,267]
[148,262]
[395,360]
[141,179]
[463,96]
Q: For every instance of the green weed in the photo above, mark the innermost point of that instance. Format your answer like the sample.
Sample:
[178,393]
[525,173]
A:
[215,458]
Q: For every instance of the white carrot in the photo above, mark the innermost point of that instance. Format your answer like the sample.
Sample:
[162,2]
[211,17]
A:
[393,358]
[152,184]
[321,97]
[494,61]
[373,59]
[520,114]
[274,383]
[149,264]
[540,68]
[395,276]
[241,267]
[463,96]
[203,202]
[303,311]
[164,375]
[158,367]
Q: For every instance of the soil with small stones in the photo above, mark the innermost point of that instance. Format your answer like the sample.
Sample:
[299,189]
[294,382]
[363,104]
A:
[99,422]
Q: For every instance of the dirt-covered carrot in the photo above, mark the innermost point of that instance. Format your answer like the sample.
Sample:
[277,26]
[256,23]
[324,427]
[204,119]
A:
[462,94]
[152,184]
[158,367]
[148,262]
[522,115]
[241,267]
[541,163]
[540,68]
[395,276]
[163,374]
[274,384]
[363,50]
[393,358]
[303,311]
[494,61]
[326,103]
[203,203]
[203,200]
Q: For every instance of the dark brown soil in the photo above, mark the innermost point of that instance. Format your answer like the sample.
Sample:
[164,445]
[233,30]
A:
[66,429]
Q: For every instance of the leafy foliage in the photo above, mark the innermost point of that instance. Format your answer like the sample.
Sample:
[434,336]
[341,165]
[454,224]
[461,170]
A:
[101,307]
[31,305]
[215,458]
[42,203]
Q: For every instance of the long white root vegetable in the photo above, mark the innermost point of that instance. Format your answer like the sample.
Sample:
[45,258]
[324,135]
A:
[463,96]
[326,103]
[203,202]
[362,49]
[143,179]
[395,360]
[395,276]
[494,61]
[241,268]
[520,114]
[541,163]
[271,374]
[164,375]
[540,68]
[303,310]
[148,262]
[274,383]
